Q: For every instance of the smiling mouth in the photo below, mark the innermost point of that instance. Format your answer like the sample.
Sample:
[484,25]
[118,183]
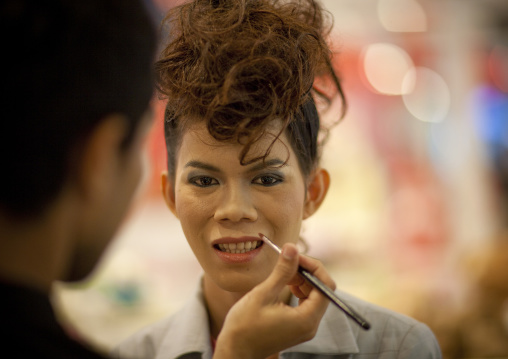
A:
[237,248]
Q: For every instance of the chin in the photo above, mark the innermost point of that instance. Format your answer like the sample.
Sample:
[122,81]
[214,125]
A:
[76,276]
[79,274]
[240,283]
[82,267]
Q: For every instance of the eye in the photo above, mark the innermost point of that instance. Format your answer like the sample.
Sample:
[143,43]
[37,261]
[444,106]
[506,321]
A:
[267,180]
[203,181]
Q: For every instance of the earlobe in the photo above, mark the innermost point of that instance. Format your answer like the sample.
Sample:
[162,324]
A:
[168,192]
[317,188]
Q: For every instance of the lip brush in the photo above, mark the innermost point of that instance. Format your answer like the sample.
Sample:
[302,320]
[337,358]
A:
[330,294]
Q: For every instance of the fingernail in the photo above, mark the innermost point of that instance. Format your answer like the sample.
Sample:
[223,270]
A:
[289,252]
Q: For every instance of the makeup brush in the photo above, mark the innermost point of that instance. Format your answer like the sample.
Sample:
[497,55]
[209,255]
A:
[330,294]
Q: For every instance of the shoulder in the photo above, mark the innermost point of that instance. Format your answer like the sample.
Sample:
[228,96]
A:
[31,329]
[392,332]
[185,331]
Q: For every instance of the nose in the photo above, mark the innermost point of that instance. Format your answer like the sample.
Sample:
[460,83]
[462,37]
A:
[235,206]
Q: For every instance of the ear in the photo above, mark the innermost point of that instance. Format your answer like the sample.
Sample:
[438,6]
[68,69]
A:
[168,192]
[100,156]
[317,188]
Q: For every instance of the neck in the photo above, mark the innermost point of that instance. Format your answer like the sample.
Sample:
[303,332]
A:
[219,301]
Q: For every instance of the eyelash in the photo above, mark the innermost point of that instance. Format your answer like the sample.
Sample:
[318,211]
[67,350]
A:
[276,180]
[197,181]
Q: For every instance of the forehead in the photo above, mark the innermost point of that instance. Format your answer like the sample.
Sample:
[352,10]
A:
[196,142]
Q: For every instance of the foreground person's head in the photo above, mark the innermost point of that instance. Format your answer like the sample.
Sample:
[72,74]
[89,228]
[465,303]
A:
[76,87]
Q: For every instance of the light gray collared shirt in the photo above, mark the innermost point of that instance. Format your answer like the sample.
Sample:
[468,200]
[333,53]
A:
[185,335]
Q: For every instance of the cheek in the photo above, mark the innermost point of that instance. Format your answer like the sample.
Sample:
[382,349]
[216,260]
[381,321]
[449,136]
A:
[184,209]
[137,172]
[192,211]
[287,211]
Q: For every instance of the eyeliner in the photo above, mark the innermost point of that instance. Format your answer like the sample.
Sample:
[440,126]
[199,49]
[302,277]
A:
[330,294]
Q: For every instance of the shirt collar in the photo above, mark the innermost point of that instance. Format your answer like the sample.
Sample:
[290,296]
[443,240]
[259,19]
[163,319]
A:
[190,332]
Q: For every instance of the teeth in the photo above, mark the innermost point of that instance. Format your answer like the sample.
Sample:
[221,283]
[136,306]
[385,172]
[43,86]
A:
[237,248]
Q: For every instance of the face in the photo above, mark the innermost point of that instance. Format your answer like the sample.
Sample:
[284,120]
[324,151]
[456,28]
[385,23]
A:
[223,205]
[119,177]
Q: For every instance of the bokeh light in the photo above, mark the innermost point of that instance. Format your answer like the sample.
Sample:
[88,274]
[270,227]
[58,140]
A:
[402,15]
[385,66]
[498,67]
[426,95]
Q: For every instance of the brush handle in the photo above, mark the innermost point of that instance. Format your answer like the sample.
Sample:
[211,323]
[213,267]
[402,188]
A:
[330,294]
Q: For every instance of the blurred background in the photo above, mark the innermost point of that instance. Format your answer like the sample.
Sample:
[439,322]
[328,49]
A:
[416,219]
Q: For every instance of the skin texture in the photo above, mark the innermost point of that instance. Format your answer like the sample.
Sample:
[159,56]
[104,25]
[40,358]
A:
[218,200]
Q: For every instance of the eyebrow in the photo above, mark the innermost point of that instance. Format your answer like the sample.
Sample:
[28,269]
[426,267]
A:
[201,165]
[274,162]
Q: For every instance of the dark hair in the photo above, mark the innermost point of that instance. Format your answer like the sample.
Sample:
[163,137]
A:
[69,63]
[239,65]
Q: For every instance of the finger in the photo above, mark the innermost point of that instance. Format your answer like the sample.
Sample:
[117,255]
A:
[316,268]
[312,302]
[302,290]
[297,292]
[284,271]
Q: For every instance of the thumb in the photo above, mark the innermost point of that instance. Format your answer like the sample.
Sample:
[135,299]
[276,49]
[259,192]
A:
[284,271]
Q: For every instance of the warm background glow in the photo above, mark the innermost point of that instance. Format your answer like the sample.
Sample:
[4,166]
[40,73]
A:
[419,190]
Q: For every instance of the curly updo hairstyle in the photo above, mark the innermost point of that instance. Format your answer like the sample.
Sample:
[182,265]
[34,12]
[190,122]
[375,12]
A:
[239,65]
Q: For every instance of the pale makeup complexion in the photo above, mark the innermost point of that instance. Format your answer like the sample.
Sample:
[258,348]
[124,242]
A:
[220,202]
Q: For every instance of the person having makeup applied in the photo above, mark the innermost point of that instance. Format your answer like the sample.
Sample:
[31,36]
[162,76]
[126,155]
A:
[76,108]
[242,133]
